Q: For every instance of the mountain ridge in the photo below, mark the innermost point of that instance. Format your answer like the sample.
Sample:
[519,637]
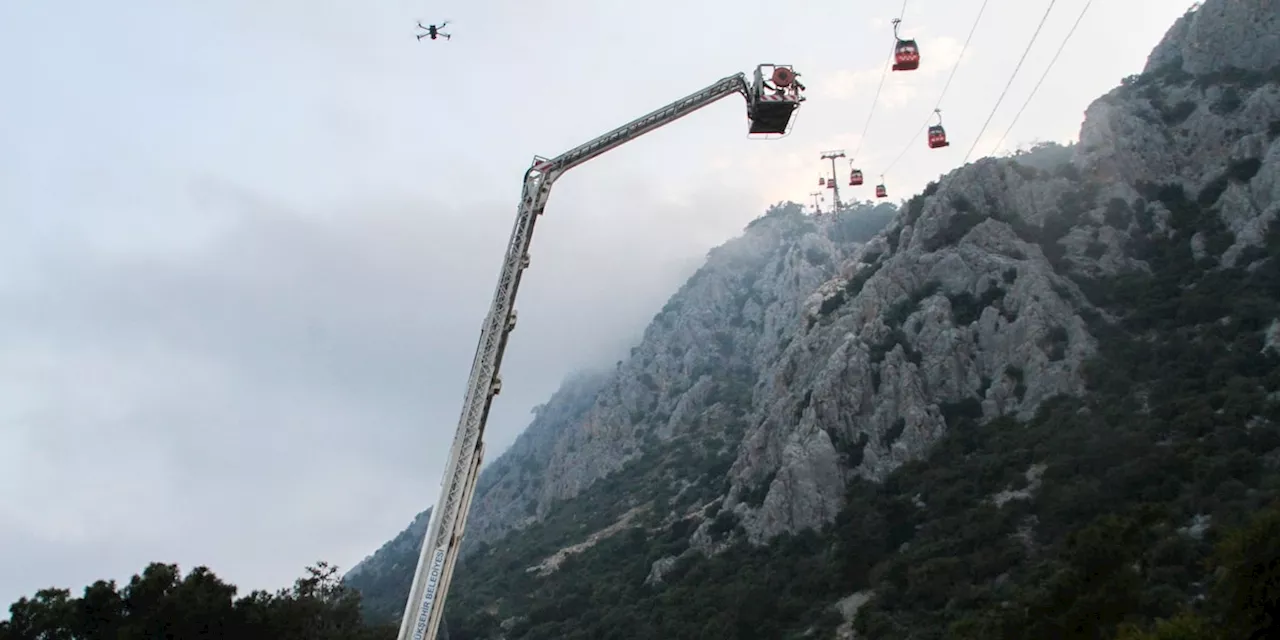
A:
[777,415]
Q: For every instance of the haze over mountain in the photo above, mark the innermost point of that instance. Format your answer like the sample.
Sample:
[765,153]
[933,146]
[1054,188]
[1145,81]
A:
[239,282]
[905,426]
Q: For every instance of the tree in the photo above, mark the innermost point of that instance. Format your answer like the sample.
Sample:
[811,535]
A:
[1185,626]
[1242,604]
[1248,589]
[161,603]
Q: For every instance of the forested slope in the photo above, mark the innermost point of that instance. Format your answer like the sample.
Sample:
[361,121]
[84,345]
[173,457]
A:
[1029,406]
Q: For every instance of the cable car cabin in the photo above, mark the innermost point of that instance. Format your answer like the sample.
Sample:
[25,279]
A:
[881,192]
[937,137]
[773,101]
[855,178]
[822,182]
[831,182]
[906,56]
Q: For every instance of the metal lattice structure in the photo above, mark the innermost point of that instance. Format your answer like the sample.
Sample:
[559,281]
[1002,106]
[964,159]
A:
[770,112]
[833,184]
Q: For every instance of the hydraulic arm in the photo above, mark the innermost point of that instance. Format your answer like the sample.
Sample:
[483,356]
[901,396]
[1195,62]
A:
[770,111]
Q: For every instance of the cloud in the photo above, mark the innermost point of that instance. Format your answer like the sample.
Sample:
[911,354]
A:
[248,399]
[261,370]
[899,89]
[943,53]
[283,387]
[846,84]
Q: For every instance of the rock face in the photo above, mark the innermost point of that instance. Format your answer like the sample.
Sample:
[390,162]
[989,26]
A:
[950,310]
[1219,36]
[509,491]
[813,350]
[691,372]
[506,489]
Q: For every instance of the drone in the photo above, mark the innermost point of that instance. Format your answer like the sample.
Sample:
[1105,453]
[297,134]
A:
[434,31]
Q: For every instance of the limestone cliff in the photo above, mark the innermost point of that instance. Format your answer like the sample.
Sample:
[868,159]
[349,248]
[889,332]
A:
[812,351]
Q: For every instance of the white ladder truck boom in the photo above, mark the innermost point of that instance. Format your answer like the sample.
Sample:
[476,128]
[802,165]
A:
[772,99]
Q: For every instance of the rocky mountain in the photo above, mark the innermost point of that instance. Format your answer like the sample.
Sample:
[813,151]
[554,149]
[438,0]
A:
[717,332]
[1021,406]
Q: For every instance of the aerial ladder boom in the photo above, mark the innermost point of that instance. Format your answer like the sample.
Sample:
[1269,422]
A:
[771,104]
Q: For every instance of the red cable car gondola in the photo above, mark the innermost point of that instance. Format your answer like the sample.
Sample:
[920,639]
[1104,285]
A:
[938,135]
[831,182]
[855,177]
[906,53]
[822,182]
[881,192]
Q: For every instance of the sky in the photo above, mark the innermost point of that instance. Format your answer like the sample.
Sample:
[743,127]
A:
[247,246]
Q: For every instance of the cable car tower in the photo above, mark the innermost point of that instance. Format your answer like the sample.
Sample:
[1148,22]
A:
[834,185]
[773,95]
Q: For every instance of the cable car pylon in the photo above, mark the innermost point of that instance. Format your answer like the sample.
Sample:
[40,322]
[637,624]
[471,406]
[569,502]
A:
[817,208]
[833,184]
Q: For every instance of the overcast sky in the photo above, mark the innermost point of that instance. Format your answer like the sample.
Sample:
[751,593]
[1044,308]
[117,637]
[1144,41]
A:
[246,246]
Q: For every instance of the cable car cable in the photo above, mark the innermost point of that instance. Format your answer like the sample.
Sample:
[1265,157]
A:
[1012,76]
[1042,77]
[946,86]
[883,74]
